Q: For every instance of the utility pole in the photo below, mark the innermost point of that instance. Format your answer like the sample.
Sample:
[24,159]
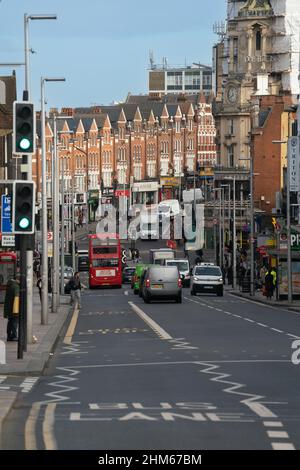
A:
[44,315]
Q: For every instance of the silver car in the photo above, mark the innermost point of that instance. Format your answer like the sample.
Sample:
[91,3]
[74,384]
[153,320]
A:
[162,282]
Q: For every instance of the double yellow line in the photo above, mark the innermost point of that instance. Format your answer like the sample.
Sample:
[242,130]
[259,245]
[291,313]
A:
[49,417]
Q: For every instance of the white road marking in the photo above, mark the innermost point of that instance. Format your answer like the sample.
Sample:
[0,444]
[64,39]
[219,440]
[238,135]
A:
[278,434]
[261,410]
[247,319]
[282,446]
[126,292]
[162,334]
[273,424]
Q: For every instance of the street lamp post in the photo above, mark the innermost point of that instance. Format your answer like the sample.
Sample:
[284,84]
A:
[28,160]
[44,315]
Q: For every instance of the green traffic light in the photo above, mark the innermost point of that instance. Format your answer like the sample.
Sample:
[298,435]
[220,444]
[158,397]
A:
[24,223]
[24,144]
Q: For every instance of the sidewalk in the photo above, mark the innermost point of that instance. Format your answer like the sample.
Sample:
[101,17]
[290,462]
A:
[37,355]
[259,297]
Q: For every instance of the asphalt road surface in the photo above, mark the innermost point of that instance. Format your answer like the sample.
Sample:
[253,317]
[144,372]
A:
[211,373]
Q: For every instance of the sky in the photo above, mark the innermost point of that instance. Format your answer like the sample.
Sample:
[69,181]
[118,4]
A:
[102,47]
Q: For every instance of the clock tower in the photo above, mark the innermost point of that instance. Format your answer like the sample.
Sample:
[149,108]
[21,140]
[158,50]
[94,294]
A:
[257,67]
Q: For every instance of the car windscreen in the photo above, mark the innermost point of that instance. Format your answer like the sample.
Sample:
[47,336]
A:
[208,271]
[181,265]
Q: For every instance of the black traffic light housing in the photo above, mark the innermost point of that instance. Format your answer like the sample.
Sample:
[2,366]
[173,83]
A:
[23,128]
[23,211]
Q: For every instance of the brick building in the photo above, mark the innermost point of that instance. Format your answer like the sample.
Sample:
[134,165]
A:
[143,147]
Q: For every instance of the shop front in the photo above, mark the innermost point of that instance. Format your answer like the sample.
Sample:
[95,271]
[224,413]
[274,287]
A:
[169,187]
[145,192]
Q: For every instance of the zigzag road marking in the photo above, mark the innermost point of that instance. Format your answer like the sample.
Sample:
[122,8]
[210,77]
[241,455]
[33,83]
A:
[252,401]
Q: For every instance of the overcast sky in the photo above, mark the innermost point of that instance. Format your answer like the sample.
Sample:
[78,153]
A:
[102,46]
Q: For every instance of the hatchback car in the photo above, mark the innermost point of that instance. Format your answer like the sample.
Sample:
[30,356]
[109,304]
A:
[207,278]
[127,275]
[162,282]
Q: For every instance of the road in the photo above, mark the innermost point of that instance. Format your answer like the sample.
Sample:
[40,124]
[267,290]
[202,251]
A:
[212,373]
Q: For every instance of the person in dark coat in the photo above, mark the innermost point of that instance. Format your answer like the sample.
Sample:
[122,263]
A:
[12,291]
[269,285]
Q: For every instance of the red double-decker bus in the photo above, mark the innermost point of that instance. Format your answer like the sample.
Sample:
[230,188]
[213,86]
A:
[105,260]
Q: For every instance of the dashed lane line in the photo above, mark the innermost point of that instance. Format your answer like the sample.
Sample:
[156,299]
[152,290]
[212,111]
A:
[243,318]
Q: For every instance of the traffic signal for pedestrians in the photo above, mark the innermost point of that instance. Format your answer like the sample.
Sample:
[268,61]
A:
[23,128]
[23,211]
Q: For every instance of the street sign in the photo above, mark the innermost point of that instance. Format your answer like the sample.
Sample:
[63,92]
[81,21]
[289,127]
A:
[50,236]
[6,225]
[8,240]
[294,160]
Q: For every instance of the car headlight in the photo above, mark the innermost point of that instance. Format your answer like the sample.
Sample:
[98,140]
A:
[196,278]
[220,279]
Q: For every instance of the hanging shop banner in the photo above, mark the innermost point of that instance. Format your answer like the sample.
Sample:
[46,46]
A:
[294,163]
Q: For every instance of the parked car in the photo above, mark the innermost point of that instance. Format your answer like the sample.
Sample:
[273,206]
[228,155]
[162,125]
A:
[162,282]
[183,266]
[128,274]
[207,278]
[139,269]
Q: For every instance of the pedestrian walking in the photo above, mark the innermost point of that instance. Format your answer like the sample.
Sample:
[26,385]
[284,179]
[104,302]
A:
[11,308]
[75,289]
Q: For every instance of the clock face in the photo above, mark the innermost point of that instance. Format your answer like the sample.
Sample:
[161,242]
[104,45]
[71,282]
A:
[232,94]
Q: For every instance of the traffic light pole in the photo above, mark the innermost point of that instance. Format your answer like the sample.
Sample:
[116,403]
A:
[22,339]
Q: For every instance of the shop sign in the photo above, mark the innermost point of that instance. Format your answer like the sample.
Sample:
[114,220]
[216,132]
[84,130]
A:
[294,160]
[108,192]
[170,181]
[146,186]
[122,193]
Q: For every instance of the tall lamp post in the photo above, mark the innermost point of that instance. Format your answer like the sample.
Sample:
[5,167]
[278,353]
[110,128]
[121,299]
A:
[28,160]
[44,316]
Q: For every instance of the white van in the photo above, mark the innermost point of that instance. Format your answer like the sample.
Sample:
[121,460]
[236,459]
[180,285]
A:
[183,266]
